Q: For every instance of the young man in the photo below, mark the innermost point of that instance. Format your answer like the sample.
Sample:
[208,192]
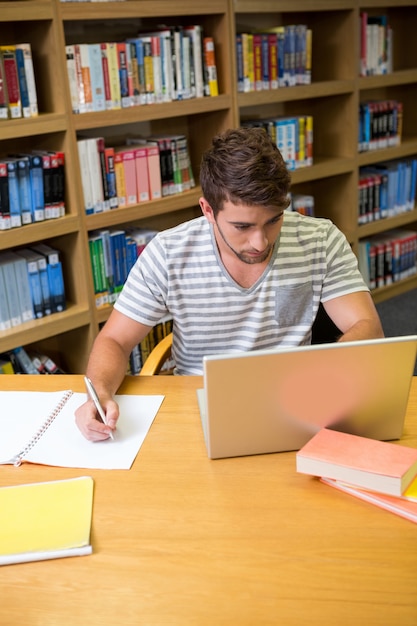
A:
[246,275]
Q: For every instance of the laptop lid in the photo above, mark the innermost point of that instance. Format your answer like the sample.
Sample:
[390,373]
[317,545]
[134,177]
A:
[276,400]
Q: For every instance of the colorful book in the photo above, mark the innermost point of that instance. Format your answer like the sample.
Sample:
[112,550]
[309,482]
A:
[48,520]
[26,49]
[210,68]
[55,276]
[379,466]
[11,75]
[4,106]
[96,76]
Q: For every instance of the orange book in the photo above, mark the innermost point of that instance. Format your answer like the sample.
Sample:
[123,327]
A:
[210,69]
[120,178]
[379,466]
[86,77]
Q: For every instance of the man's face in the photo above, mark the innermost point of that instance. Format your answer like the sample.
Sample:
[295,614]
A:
[248,232]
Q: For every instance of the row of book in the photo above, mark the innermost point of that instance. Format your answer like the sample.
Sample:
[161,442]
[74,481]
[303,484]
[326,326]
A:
[18,97]
[31,285]
[302,203]
[112,255]
[380,124]
[164,65]
[293,136]
[277,57]
[387,189]
[143,169]
[376,45]
[21,361]
[141,352]
[388,258]
[32,188]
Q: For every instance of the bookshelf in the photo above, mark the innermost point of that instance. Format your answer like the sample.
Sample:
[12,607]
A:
[332,98]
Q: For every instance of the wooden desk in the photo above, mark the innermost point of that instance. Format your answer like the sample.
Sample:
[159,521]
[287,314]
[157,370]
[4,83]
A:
[180,539]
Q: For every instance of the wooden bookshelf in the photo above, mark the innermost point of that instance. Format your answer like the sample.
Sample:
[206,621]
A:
[332,98]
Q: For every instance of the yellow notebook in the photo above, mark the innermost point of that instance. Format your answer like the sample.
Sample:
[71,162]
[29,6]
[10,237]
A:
[47,520]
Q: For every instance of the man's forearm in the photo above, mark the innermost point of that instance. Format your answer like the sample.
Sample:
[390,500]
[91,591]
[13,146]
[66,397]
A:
[107,365]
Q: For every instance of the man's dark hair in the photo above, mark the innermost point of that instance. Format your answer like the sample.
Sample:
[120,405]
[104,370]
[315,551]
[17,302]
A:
[244,166]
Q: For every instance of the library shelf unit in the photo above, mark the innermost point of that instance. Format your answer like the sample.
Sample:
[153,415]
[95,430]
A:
[333,98]
[49,25]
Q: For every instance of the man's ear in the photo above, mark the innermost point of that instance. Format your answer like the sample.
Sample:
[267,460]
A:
[206,210]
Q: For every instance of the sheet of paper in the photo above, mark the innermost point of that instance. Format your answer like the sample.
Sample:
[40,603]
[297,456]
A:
[23,413]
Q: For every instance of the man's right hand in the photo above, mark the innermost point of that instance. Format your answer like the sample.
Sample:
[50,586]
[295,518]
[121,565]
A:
[92,428]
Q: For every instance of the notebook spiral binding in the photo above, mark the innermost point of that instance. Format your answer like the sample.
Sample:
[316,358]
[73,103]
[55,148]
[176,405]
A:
[18,458]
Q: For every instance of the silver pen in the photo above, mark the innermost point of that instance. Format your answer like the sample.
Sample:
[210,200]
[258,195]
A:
[93,395]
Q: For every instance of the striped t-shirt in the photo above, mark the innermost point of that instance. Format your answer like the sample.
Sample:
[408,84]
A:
[180,274]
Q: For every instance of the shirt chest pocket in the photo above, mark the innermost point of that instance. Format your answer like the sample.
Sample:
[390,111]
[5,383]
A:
[294,305]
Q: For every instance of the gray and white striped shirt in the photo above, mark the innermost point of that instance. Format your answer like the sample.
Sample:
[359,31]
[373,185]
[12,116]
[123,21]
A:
[180,273]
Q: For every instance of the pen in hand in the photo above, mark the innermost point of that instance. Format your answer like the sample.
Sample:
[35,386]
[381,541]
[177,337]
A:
[93,395]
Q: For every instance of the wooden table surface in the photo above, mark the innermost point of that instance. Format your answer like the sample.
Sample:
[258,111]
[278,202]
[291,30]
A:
[180,539]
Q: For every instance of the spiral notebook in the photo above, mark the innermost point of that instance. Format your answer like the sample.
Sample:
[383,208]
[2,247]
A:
[39,427]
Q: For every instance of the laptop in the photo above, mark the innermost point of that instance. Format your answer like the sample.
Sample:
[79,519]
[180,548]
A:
[275,400]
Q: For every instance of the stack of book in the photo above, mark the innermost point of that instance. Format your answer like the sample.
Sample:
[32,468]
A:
[379,472]
[18,96]
[277,57]
[168,64]
[143,169]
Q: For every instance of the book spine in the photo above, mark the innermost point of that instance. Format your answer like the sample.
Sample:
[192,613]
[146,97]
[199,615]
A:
[85,176]
[30,77]
[120,178]
[25,193]
[111,177]
[23,86]
[12,294]
[123,74]
[113,63]
[14,199]
[5,318]
[86,77]
[8,54]
[72,78]
[5,220]
[142,175]
[23,288]
[96,75]
[4,103]
[210,66]
[106,76]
